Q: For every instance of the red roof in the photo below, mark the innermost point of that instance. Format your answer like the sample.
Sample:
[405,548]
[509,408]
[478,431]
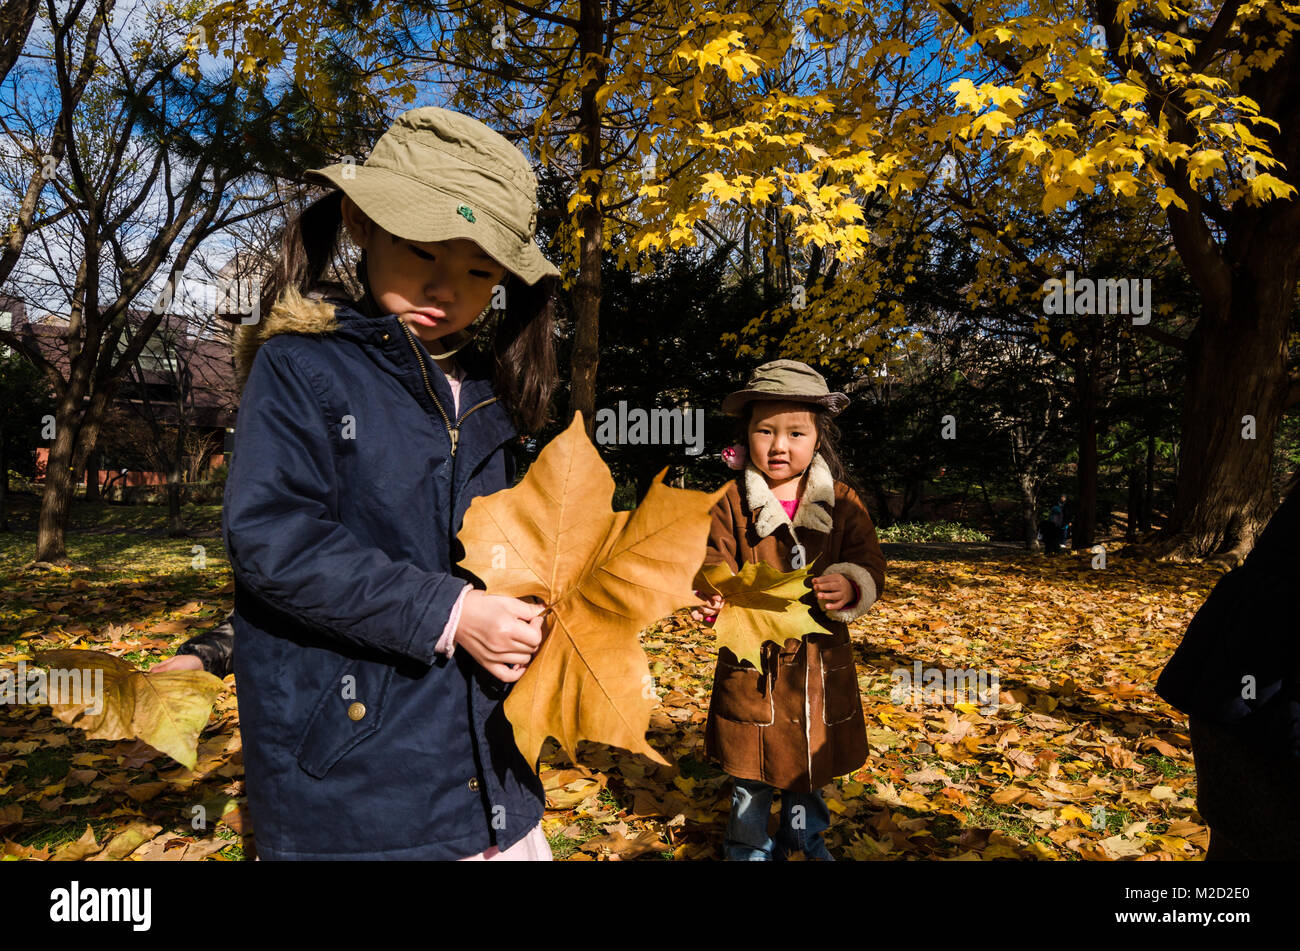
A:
[201,346]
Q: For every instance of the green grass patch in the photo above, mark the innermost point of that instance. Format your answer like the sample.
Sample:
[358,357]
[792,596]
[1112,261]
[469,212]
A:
[1168,768]
[55,836]
[562,846]
[921,532]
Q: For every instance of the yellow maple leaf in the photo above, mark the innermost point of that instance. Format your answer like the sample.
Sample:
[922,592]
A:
[1166,195]
[994,121]
[761,604]
[967,96]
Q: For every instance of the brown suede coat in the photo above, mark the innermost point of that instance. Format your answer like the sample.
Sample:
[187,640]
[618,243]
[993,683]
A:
[797,723]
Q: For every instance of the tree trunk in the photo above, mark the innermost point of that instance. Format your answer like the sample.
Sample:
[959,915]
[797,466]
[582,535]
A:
[911,494]
[1088,382]
[1148,489]
[884,517]
[1134,503]
[765,245]
[75,434]
[177,476]
[176,526]
[586,331]
[1236,380]
[1029,509]
[4,482]
[587,290]
[92,476]
[69,417]
[746,269]
[55,499]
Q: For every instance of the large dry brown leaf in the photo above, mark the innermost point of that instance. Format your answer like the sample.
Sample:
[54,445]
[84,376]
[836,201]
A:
[604,575]
[167,710]
[78,850]
[762,604]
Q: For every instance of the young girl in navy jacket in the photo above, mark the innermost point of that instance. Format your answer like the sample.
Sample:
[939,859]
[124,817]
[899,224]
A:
[370,670]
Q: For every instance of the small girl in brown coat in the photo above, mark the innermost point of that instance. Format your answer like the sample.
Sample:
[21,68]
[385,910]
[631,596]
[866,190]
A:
[796,723]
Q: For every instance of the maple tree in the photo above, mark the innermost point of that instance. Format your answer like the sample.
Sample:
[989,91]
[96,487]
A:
[604,575]
[1178,109]
[760,604]
[832,136]
[568,84]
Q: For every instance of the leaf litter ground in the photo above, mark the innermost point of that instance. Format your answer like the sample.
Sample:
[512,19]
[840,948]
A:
[1080,759]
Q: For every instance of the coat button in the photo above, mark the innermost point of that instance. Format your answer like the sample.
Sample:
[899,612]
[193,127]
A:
[385,336]
[473,784]
[356,710]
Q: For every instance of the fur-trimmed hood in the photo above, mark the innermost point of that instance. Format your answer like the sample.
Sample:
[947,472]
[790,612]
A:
[292,313]
[815,505]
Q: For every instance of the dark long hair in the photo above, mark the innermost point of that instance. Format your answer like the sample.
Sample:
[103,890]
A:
[828,437]
[522,347]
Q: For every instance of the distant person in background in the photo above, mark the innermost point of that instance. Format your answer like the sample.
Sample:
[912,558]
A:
[1236,675]
[1054,528]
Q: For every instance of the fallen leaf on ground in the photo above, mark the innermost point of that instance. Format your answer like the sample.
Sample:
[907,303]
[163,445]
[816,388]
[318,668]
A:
[166,710]
[127,841]
[78,850]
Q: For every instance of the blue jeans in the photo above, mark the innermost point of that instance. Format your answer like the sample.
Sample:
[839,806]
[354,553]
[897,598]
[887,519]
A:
[804,817]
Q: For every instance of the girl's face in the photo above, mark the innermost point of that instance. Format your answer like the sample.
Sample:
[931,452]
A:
[434,287]
[782,440]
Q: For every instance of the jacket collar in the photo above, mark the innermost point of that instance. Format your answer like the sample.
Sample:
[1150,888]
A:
[292,313]
[328,310]
[815,504]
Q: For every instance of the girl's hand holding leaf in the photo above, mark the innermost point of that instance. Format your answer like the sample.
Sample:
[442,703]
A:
[500,632]
[712,605]
[834,592]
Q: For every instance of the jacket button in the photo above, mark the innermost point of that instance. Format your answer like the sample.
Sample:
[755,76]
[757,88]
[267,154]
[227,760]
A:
[473,784]
[356,710]
[385,336]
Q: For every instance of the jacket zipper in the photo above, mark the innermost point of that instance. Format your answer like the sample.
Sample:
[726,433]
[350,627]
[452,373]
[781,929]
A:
[453,431]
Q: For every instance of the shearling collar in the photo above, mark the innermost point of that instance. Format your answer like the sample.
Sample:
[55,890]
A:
[815,504]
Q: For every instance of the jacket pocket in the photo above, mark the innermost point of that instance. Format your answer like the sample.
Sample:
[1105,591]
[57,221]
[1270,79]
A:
[348,711]
[840,700]
[742,694]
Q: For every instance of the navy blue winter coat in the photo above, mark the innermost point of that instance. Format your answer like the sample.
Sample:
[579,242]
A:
[347,487]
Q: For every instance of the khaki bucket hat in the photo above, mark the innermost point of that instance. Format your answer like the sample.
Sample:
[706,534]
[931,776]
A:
[437,175]
[786,380]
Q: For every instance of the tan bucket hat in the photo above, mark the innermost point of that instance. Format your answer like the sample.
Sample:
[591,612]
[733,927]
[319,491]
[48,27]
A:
[786,380]
[437,175]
